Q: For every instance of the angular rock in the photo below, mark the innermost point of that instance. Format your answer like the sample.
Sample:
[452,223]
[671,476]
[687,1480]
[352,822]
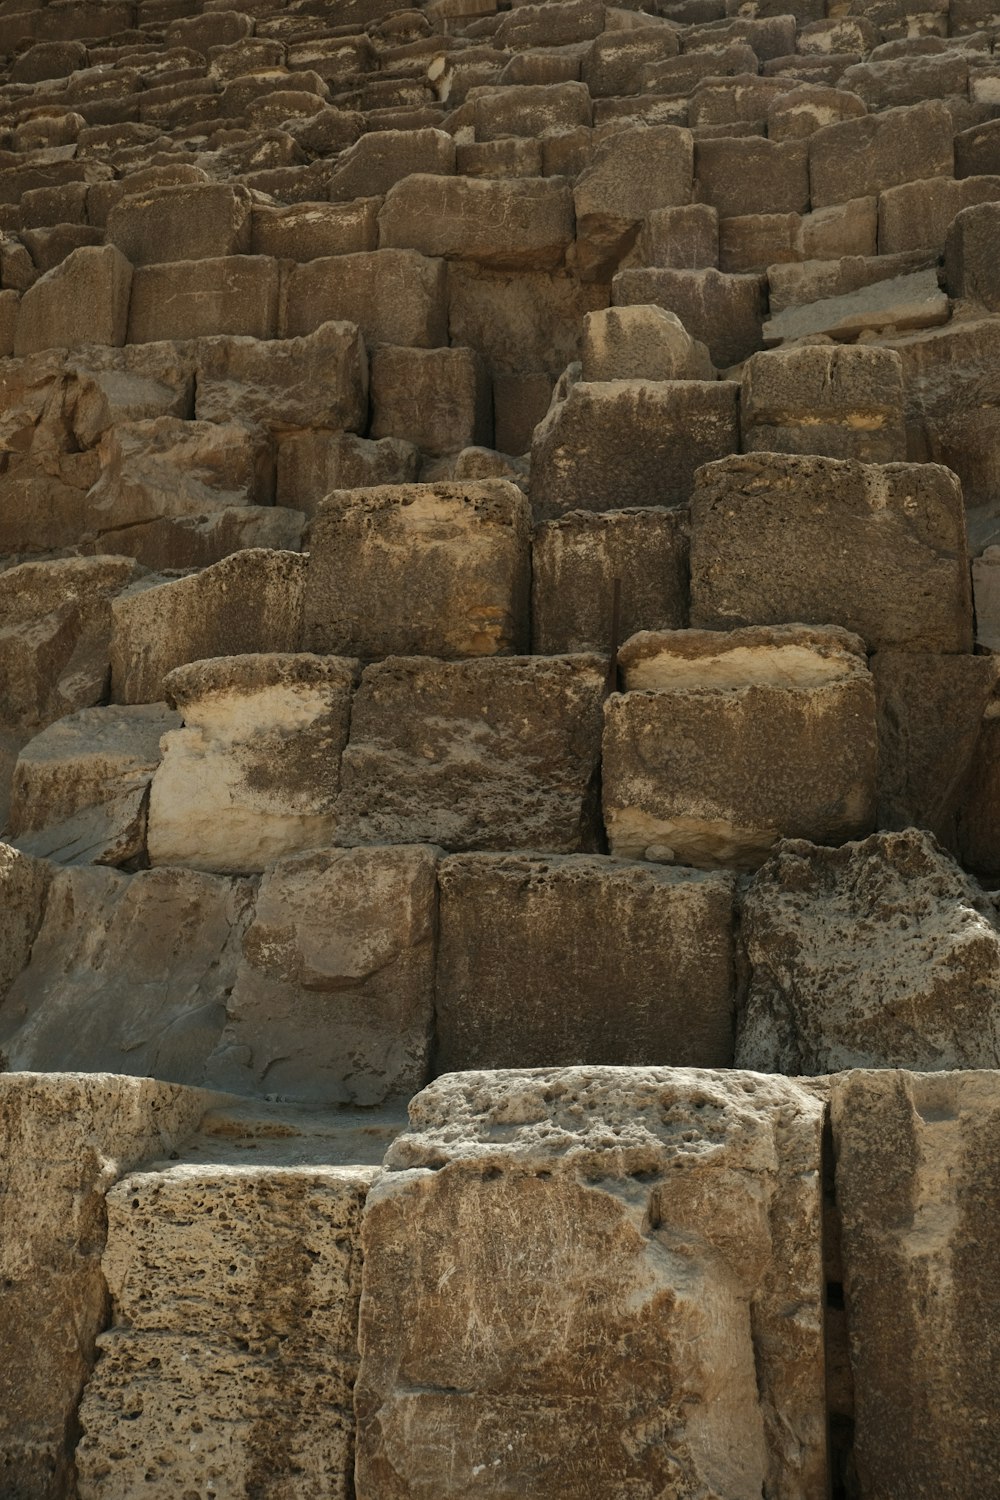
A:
[440,400]
[380,159]
[723,743]
[578,1213]
[724,312]
[681,239]
[858,157]
[632,173]
[394,296]
[842,402]
[752,176]
[986,596]
[311,464]
[916,215]
[320,380]
[640,343]
[24,883]
[902,302]
[197,221]
[495,754]
[795,114]
[970,263]
[849,228]
[879,549]
[234,294]
[307,231]
[420,570]
[84,300]
[529,110]
[521,223]
[524,322]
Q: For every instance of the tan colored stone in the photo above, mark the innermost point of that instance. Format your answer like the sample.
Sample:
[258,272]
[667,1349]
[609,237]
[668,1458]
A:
[901,302]
[234,294]
[723,312]
[84,300]
[307,231]
[311,464]
[320,380]
[440,400]
[199,221]
[839,401]
[529,321]
[859,157]
[508,225]
[640,343]
[632,174]
[24,883]
[394,296]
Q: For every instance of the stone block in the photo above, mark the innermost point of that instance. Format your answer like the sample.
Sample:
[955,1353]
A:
[178,543]
[255,771]
[879,549]
[24,883]
[311,231]
[192,299]
[528,322]
[740,100]
[919,991]
[797,113]
[440,400]
[525,967]
[752,176]
[679,77]
[394,296]
[640,343]
[986,597]
[794,285]
[858,157]
[508,224]
[519,404]
[550,25]
[971,267]
[84,300]
[839,401]
[319,380]
[841,229]
[753,242]
[917,215]
[420,570]
[527,109]
[893,81]
[613,64]
[679,239]
[622,1212]
[724,312]
[250,602]
[494,754]
[311,464]
[632,173]
[380,159]
[613,445]
[575,562]
[334,997]
[898,304]
[723,743]
[513,156]
[198,221]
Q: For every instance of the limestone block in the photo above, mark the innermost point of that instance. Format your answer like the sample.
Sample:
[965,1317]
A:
[971,269]
[752,176]
[613,65]
[551,25]
[919,991]
[724,312]
[841,229]
[80,788]
[254,773]
[320,380]
[440,400]
[678,77]
[724,742]
[842,402]
[915,1176]
[494,754]
[251,601]
[420,570]
[333,1000]
[795,114]
[640,343]
[632,173]
[508,224]
[311,464]
[307,231]
[524,322]
[185,542]
[879,549]
[24,883]
[918,214]
[682,239]
[531,949]
[986,593]
[63,1141]
[83,300]
[254,1378]
[569,1215]
[753,242]
[977,150]
[380,159]
[794,284]
[132,384]
[531,110]
[394,296]
[193,221]
[613,445]
[901,302]
[858,157]
[575,561]
[741,99]
[190,299]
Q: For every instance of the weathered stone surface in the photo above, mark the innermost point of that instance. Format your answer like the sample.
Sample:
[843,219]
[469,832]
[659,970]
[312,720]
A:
[333,998]
[440,400]
[640,343]
[80,788]
[792,284]
[84,300]
[63,1141]
[880,954]
[255,771]
[24,882]
[524,322]
[879,549]
[986,594]
[572,1215]
[575,561]
[901,302]
[320,380]
[380,159]
[858,157]
[394,296]
[307,231]
[684,239]
[522,222]
[724,742]
[620,443]
[916,1161]
[251,601]
[311,464]
[752,176]
[724,312]
[842,402]
[420,570]
[235,294]
[632,173]
[531,110]
[525,968]
[494,754]
[918,214]
[197,221]
[971,267]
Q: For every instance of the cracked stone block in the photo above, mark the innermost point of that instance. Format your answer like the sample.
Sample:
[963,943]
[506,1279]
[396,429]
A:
[724,312]
[312,464]
[641,343]
[440,400]
[189,299]
[858,157]
[24,883]
[841,402]
[394,296]
[320,380]
[509,224]
[192,221]
[83,300]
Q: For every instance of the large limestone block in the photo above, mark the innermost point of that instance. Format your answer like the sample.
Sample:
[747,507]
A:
[513,224]
[306,231]
[724,742]
[615,444]
[533,949]
[83,300]
[333,1001]
[80,789]
[380,159]
[64,1140]
[918,214]
[133,384]
[880,954]
[394,296]
[494,754]
[970,256]
[575,562]
[724,312]
[640,343]
[899,302]
[636,1254]
[420,570]
[752,176]
[311,464]
[440,400]
[631,173]
[24,883]
[193,298]
[192,221]
[320,380]
[529,110]
[857,157]
[821,398]
[249,602]
[255,771]
[520,322]
[879,549]
[916,1166]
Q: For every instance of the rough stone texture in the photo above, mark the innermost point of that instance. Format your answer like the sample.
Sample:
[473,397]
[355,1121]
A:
[311,464]
[724,312]
[631,173]
[918,214]
[616,444]
[63,1142]
[420,570]
[970,258]
[986,595]
[523,222]
[495,754]
[880,954]
[574,564]
[255,771]
[900,302]
[570,1217]
[24,884]
[529,321]
[533,949]
[333,997]
[823,399]
[83,300]
[197,221]
[723,743]
[440,400]
[915,1178]
[640,343]
[251,601]
[879,549]
[394,296]
[234,294]
[858,157]
[320,380]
